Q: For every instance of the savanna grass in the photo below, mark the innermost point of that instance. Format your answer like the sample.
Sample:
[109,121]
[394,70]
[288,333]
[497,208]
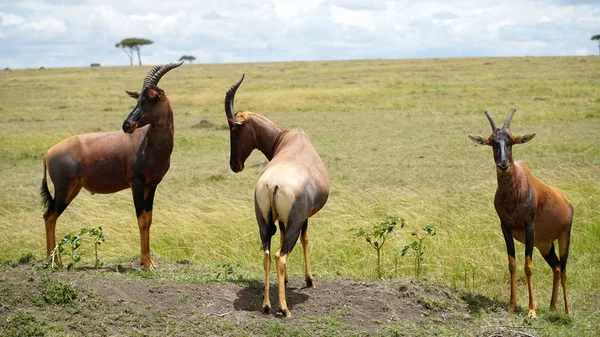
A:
[392,133]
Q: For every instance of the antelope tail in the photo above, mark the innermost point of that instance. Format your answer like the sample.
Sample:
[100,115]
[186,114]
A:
[47,200]
[274,214]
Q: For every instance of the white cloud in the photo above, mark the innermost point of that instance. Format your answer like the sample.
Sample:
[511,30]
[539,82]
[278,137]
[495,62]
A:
[8,20]
[71,32]
[359,5]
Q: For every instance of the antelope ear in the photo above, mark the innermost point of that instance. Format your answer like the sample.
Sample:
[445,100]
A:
[523,139]
[153,92]
[133,94]
[480,140]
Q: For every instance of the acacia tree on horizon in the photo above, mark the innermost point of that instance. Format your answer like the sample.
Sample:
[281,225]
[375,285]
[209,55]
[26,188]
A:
[189,58]
[132,44]
[597,38]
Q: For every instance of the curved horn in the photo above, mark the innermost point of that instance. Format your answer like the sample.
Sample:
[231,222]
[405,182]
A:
[229,108]
[154,78]
[509,118]
[151,73]
[491,119]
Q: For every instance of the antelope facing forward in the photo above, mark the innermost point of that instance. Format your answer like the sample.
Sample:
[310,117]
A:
[107,162]
[291,188]
[530,211]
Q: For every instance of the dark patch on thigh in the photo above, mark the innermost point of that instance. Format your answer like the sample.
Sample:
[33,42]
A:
[303,204]
[297,218]
[62,168]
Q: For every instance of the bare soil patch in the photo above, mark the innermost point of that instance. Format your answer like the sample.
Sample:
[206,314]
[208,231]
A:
[179,300]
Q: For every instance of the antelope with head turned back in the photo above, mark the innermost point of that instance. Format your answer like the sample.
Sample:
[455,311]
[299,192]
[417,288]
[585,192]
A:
[292,187]
[108,162]
[530,211]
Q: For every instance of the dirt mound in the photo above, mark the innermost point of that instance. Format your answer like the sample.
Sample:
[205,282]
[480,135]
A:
[204,124]
[178,299]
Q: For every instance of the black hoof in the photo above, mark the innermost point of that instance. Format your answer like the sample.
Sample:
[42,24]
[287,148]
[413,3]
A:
[266,309]
[310,283]
[285,312]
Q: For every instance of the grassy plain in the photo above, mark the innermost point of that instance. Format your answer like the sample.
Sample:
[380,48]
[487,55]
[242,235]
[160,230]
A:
[392,134]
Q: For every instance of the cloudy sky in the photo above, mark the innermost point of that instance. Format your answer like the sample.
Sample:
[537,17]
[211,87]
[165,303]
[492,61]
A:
[75,33]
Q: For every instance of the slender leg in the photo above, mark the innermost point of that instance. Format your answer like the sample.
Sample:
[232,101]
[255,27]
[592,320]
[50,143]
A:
[281,240]
[529,240]
[291,234]
[310,281]
[148,204]
[552,260]
[267,230]
[563,274]
[139,194]
[281,260]
[50,224]
[564,242]
[65,193]
[266,306]
[512,267]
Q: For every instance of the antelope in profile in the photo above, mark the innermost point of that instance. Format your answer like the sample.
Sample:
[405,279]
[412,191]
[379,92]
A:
[292,187]
[530,211]
[108,162]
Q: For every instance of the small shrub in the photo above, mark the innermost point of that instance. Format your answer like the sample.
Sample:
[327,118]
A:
[377,235]
[416,249]
[226,269]
[73,241]
[98,237]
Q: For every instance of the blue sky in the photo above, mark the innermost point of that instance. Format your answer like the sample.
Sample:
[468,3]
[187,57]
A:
[75,33]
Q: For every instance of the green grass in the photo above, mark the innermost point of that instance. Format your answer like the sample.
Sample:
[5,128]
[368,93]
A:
[54,292]
[22,324]
[392,134]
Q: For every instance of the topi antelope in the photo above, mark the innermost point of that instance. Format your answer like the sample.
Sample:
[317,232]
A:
[291,188]
[530,211]
[107,162]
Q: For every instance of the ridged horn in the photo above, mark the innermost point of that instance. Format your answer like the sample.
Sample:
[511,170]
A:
[509,118]
[150,74]
[491,119]
[229,96]
[154,76]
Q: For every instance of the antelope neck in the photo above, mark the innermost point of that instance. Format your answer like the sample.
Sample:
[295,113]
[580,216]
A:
[161,132]
[510,184]
[268,137]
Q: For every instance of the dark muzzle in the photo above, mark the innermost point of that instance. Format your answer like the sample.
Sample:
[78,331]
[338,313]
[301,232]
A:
[503,166]
[236,166]
[129,127]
